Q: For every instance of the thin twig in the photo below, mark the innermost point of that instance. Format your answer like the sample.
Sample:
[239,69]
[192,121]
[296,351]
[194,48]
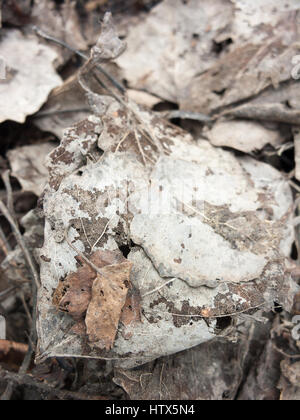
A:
[35,285]
[94,267]
[20,241]
[122,141]
[205,317]
[102,234]
[9,193]
[5,245]
[159,288]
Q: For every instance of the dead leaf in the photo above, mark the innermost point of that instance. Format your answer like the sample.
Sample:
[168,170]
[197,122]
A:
[29,167]
[256,68]
[176,36]
[62,23]
[108,298]
[66,105]
[74,293]
[210,371]
[244,136]
[33,75]
[143,98]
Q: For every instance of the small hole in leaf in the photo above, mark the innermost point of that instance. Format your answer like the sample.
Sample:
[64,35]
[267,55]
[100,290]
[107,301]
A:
[220,92]
[125,249]
[294,253]
[219,47]
[223,323]
[278,308]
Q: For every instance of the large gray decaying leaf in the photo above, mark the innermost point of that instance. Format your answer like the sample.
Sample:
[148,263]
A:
[215,228]
[206,234]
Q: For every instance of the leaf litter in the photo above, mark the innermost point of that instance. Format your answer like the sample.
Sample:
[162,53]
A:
[180,283]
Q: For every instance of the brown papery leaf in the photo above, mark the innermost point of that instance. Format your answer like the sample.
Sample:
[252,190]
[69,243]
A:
[74,293]
[108,298]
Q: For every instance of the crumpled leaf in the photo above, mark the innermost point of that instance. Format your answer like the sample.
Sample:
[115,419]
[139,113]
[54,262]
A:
[245,136]
[109,45]
[74,293]
[108,298]
[179,37]
[256,68]
[28,166]
[97,298]
[33,76]
[61,22]
[195,45]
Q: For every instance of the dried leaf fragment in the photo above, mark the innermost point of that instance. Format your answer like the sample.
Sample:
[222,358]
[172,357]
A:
[74,293]
[108,298]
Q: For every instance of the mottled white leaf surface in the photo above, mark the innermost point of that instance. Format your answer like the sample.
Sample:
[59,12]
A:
[216,228]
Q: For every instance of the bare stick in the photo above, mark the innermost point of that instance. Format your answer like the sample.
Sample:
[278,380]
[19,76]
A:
[10,200]
[102,234]
[20,241]
[205,317]
[159,288]
[94,267]
[4,242]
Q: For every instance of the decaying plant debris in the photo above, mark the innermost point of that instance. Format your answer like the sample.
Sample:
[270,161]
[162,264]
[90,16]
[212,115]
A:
[219,254]
[158,258]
